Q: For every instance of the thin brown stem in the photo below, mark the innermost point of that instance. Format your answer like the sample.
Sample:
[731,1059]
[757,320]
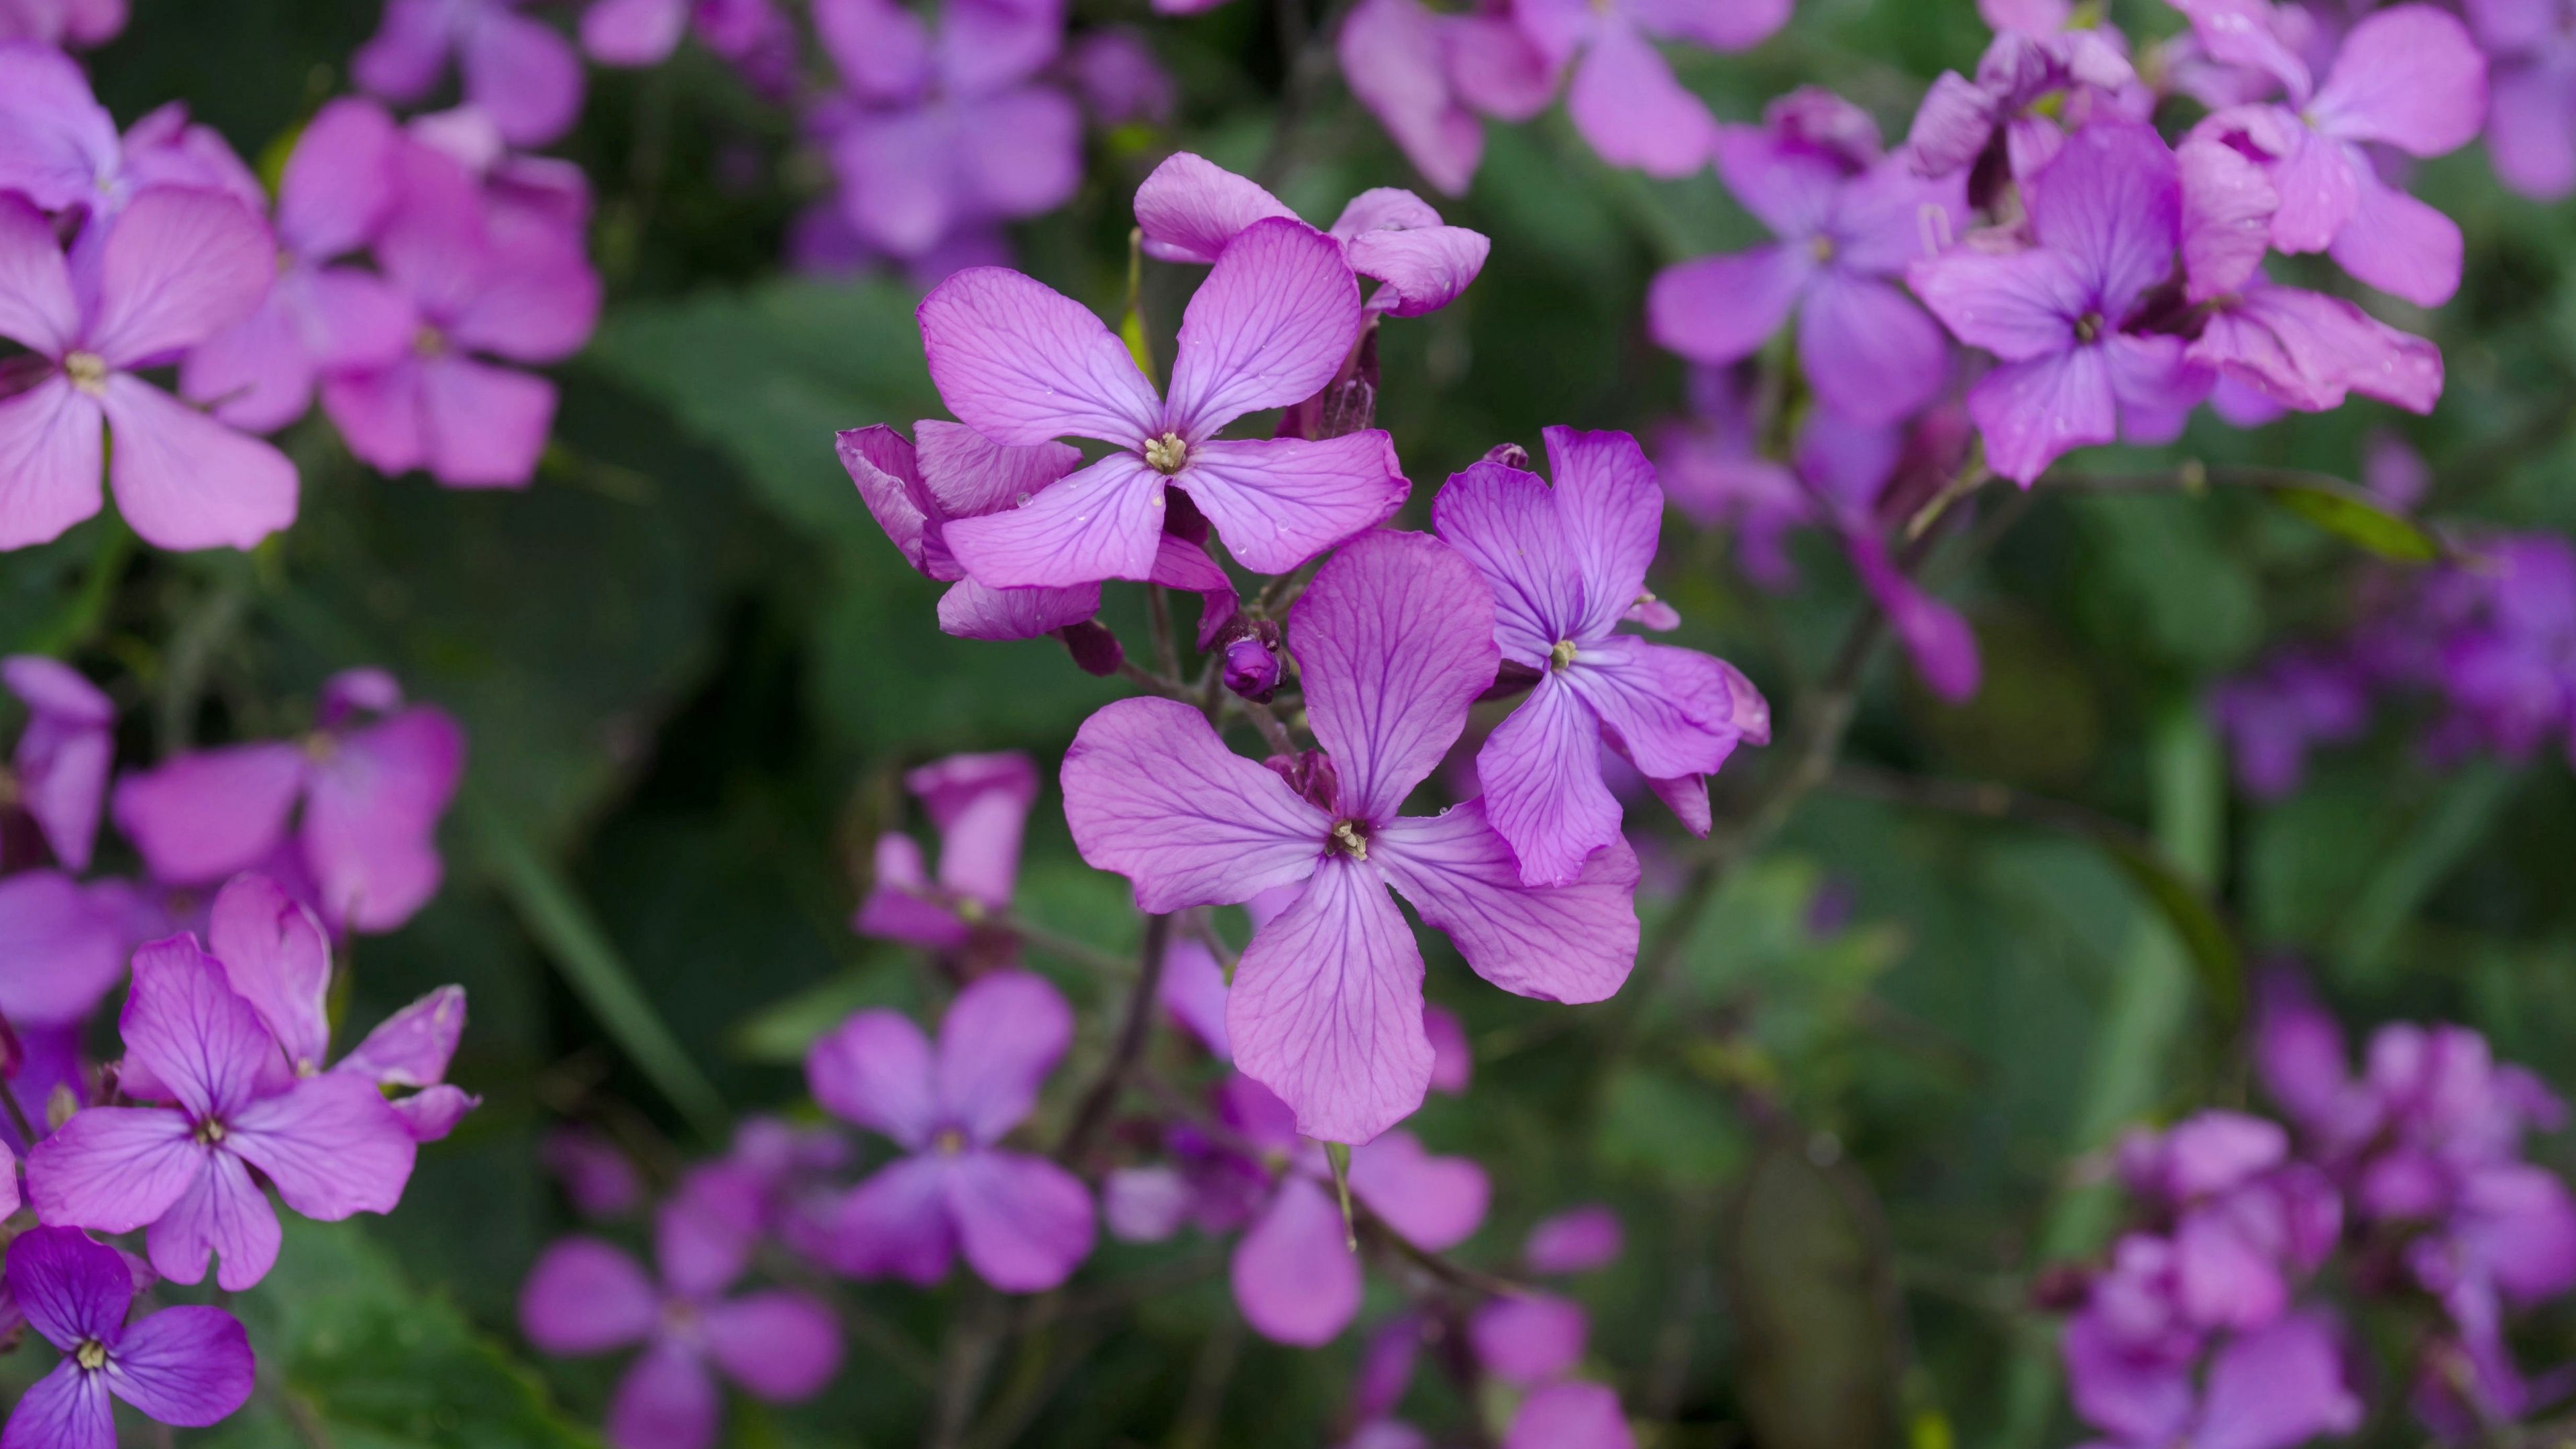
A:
[1102,1097]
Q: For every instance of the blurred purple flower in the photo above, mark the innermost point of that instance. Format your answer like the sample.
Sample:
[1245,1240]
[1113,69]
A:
[1577,1240]
[64,754]
[599,1180]
[1570,1415]
[1429,76]
[1120,79]
[2031,90]
[2531,92]
[753,36]
[77,24]
[2274,715]
[1624,98]
[978,804]
[525,75]
[2274,1388]
[59,148]
[189,1366]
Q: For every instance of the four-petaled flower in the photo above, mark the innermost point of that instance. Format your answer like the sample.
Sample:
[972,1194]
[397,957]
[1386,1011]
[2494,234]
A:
[190,1366]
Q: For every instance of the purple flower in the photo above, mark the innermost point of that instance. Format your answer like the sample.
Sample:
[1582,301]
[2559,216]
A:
[1843,231]
[1120,79]
[2531,92]
[1530,1340]
[176,267]
[1623,98]
[64,753]
[1577,1240]
[584,1297]
[1428,77]
[1571,1415]
[76,23]
[338,184]
[944,133]
[2031,89]
[597,1179]
[62,947]
[1022,1222]
[59,147]
[187,1366]
[1567,565]
[2408,77]
[2057,314]
[2276,1387]
[1938,640]
[372,795]
[978,804]
[1272,324]
[2275,715]
[2247,1220]
[1190,208]
[522,74]
[915,491]
[480,279]
[1394,641]
[752,35]
[329,1143]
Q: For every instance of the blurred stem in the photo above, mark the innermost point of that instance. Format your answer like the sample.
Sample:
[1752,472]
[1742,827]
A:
[2141,1025]
[191,654]
[1210,1375]
[1102,1096]
[974,1335]
[1167,654]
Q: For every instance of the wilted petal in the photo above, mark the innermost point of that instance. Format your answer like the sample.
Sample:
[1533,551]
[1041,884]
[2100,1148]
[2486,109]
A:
[275,956]
[1001,1038]
[1151,793]
[1294,1277]
[1394,640]
[875,1070]
[1024,364]
[1272,324]
[224,1214]
[1326,1007]
[1531,1340]
[779,1346]
[584,1297]
[1023,1223]
[1190,207]
[1571,943]
[1421,269]
[1436,1203]
[185,481]
[1277,502]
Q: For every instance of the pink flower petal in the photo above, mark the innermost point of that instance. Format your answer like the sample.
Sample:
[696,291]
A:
[666,1400]
[2227,206]
[51,455]
[1571,1415]
[1869,350]
[522,74]
[1613,510]
[1326,1008]
[371,816]
[201,816]
[275,956]
[409,50]
[338,182]
[36,303]
[1190,207]
[779,1346]
[59,951]
[1394,640]
[2410,77]
[1626,103]
[432,1112]
[1277,502]
[2282,1384]
[584,1297]
[1023,1223]
[1000,1039]
[2398,244]
[1572,943]
[633,33]
[1506,522]
[1151,793]
[1672,710]
[179,266]
[411,1048]
[183,1023]
[485,426]
[114,1169]
[1529,1341]
[66,1409]
[1420,269]
[1721,309]
[1392,58]
[2032,412]
[1541,770]
[875,1069]
[330,1144]
[1023,364]
[1100,523]
[67,1287]
[1436,1203]
[1294,1277]
[1453,1059]
[379,415]
[896,1222]
[224,1215]
[968,474]
[1273,322]
[185,481]
[190,1366]
[1577,1240]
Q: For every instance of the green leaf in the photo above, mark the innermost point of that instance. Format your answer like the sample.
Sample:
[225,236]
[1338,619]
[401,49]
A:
[352,1355]
[782,1031]
[2354,517]
[1666,1129]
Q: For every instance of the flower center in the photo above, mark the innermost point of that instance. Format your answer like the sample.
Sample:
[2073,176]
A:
[1167,453]
[2088,328]
[210,1132]
[428,341]
[1823,247]
[88,372]
[91,1355]
[1351,837]
[1562,655]
[319,746]
[949,1142]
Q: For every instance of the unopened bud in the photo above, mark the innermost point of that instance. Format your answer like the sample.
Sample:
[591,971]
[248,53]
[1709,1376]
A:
[1094,649]
[1510,455]
[1252,663]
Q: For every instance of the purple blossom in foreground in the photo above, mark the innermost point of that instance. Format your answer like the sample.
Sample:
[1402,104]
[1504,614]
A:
[523,74]
[188,1366]
[176,266]
[978,804]
[1022,1222]
[1846,226]
[1274,321]
[64,753]
[328,1143]
[1394,640]
[584,1297]
[1567,565]
[1190,208]
[1623,97]
[372,794]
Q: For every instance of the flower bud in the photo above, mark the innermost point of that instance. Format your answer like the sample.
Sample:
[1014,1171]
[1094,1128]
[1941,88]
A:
[1094,649]
[1252,664]
[1510,455]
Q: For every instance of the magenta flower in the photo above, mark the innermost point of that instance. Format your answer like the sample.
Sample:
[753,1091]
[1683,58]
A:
[2031,89]
[1844,231]
[188,1366]
[1577,1240]
[1121,81]
[1190,208]
[62,947]
[585,1297]
[79,24]
[1567,565]
[519,72]
[2407,77]
[478,283]
[2274,1388]
[1623,97]
[59,147]
[176,267]
[1529,1340]
[598,1179]
[2273,716]
[754,36]
[978,804]
[1429,76]
[1394,640]
[2104,217]
[915,492]
[2531,92]
[2247,1220]
[259,375]
[1272,324]
[1571,1415]
[64,753]
[372,795]
[1023,1223]
[329,1143]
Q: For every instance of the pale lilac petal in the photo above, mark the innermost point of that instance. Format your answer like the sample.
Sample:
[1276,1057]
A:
[1869,350]
[66,1409]
[705,1231]
[257,375]
[67,1287]
[1100,523]
[880,48]
[1613,510]
[201,816]
[1571,943]
[2277,1387]
[2319,185]
[1326,1008]
[330,1144]
[1494,69]
[408,52]
[36,302]
[1273,322]
[1529,1341]
[485,426]
[179,266]
[275,956]
[1571,1415]
[979,804]
[114,1169]
[875,1070]
[2531,128]
[1023,1223]
[896,1222]
[1392,58]
[2408,76]
[183,1023]
[1435,1203]
[1018,153]
[1144,1204]
[2227,206]
[1000,1039]
[2032,412]
[779,1346]
[1541,771]
[584,1297]
[1394,640]
[51,455]
[2398,244]
[59,951]
[1151,793]
[1626,103]
[432,1112]
[2241,33]
[1670,710]
[1421,269]
[223,1214]
[339,180]
[1193,991]
[1024,364]
[1190,207]
[633,32]
[1791,188]
[984,45]
[1577,1240]
[1716,24]
[1511,527]
[2111,201]
[185,481]
[1720,309]
[379,415]
[883,465]
[1887,218]
[666,1400]
[968,474]
[1294,1278]
[1277,502]
[2017,305]
[1453,1058]
[899,180]
[371,817]
[190,1366]
[522,74]
[896,907]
